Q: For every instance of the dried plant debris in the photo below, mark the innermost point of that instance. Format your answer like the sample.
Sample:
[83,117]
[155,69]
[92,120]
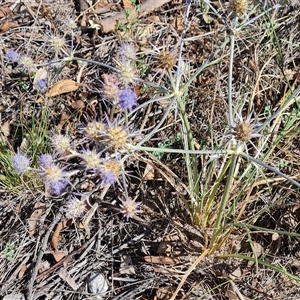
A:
[149,150]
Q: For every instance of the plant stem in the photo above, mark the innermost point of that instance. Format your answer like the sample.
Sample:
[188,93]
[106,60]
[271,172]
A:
[218,228]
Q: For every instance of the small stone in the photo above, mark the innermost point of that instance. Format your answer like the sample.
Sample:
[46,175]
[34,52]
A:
[97,284]
[17,296]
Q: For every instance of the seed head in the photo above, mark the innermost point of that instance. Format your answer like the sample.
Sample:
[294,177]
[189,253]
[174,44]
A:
[166,60]
[127,52]
[95,130]
[117,137]
[129,208]
[75,208]
[57,43]
[61,143]
[70,24]
[54,176]
[58,187]
[243,131]
[127,72]
[20,162]
[110,171]
[238,6]
[91,159]
[26,62]
[45,160]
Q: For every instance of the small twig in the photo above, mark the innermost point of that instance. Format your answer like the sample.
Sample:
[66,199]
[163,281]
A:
[40,256]
[188,272]
[14,5]
[67,257]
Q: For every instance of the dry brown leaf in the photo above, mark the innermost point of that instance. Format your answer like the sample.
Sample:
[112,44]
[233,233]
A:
[77,105]
[152,19]
[22,271]
[162,260]
[127,3]
[63,119]
[8,25]
[149,173]
[178,23]
[58,255]
[101,4]
[4,11]
[55,236]
[62,87]
[35,216]
[5,128]
[231,295]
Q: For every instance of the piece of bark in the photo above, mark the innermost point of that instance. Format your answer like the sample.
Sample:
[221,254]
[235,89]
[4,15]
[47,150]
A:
[109,24]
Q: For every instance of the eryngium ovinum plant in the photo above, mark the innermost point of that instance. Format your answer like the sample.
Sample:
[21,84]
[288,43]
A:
[98,155]
[106,144]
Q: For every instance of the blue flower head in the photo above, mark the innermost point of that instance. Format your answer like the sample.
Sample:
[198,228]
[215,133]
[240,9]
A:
[127,52]
[45,160]
[127,99]
[12,56]
[20,162]
[59,186]
[129,208]
[41,85]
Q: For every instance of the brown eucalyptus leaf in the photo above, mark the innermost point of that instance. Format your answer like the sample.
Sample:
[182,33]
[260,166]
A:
[58,255]
[4,11]
[8,25]
[63,87]
[55,236]
[161,260]
[35,216]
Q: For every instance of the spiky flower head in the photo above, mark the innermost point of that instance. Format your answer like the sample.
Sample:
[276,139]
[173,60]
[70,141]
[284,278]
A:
[56,179]
[127,99]
[111,86]
[20,162]
[75,208]
[95,130]
[243,131]
[45,160]
[166,60]
[61,143]
[70,24]
[127,72]
[110,171]
[117,137]
[58,187]
[27,63]
[238,6]
[91,159]
[57,42]
[12,56]
[129,208]
[127,52]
